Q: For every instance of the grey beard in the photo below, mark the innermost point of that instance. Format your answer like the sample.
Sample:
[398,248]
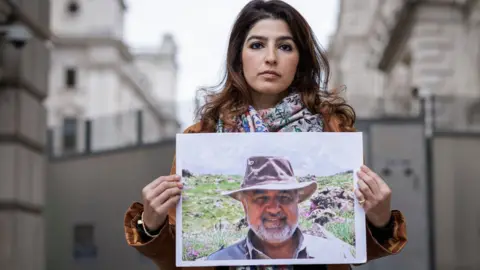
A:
[273,237]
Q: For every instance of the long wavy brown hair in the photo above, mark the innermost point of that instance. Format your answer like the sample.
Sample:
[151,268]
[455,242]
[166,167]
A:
[232,96]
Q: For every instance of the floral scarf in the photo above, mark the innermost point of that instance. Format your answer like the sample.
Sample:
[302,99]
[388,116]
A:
[290,115]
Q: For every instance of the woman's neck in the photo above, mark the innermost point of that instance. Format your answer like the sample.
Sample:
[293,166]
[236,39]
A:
[265,101]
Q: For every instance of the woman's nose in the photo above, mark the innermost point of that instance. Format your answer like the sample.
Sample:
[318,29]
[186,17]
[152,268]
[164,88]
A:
[271,57]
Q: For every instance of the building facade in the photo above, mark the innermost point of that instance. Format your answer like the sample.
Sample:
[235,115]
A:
[98,84]
[387,53]
[24,63]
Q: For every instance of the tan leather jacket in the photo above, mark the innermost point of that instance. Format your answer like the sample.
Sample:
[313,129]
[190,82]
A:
[161,250]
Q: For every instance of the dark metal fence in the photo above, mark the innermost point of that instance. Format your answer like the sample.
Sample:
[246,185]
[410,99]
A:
[85,136]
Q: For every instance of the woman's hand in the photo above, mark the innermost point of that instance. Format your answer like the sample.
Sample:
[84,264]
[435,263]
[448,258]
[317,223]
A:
[159,196]
[374,195]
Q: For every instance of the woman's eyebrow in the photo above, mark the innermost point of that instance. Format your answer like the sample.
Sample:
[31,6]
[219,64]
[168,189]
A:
[265,38]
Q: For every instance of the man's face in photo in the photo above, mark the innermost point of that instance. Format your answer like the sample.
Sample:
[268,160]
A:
[272,214]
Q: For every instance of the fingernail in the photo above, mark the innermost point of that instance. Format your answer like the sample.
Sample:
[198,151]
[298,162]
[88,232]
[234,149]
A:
[180,185]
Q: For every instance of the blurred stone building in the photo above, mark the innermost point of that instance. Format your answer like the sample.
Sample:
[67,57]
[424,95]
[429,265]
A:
[24,64]
[101,91]
[387,53]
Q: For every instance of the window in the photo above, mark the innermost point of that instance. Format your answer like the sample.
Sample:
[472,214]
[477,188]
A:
[69,134]
[71,77]
[84,241]
[73,7]
[473,114]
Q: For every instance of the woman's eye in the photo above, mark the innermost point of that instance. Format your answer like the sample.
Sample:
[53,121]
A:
[286,47]
[256,45]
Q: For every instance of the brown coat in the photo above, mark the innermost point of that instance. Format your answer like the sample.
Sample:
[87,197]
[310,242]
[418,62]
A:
[161,250]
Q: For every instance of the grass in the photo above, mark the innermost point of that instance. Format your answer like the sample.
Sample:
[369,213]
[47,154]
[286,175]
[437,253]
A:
[344,230]
[209,218]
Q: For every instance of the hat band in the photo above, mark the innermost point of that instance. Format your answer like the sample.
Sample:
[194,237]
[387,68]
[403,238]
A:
[266,181]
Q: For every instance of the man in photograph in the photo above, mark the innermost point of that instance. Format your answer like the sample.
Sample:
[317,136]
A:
[270,194]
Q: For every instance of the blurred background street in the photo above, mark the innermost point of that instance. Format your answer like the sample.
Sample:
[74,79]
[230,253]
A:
[92,94]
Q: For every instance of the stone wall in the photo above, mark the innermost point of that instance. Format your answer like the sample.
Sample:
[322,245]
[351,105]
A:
[94,191]
[23,87]
[429,45]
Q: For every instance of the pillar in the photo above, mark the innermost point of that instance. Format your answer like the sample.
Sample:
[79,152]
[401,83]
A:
[23,87]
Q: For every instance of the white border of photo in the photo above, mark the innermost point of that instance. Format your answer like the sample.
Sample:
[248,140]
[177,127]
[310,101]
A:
[345,147]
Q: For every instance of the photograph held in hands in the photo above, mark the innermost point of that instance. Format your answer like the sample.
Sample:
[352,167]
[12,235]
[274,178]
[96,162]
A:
[269,199]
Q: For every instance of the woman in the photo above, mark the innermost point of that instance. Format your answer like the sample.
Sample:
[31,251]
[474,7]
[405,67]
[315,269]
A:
[275,81]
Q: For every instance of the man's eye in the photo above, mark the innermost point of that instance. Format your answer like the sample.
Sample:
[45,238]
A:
[261,200]
[285,199]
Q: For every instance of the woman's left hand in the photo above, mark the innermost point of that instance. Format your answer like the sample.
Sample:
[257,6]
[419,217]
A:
[374,196]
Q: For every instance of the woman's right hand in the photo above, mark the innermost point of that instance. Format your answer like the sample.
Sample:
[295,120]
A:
[159,196]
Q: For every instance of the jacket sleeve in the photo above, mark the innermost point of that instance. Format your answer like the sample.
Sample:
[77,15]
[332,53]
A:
[379,246]
[161,249]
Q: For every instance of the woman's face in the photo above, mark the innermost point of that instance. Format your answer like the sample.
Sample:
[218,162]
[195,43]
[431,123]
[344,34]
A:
[269,57]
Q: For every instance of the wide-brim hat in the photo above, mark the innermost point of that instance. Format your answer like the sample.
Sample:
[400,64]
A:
[272,173]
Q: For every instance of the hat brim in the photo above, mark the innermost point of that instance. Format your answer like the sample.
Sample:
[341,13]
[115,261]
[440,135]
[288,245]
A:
[306,189]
